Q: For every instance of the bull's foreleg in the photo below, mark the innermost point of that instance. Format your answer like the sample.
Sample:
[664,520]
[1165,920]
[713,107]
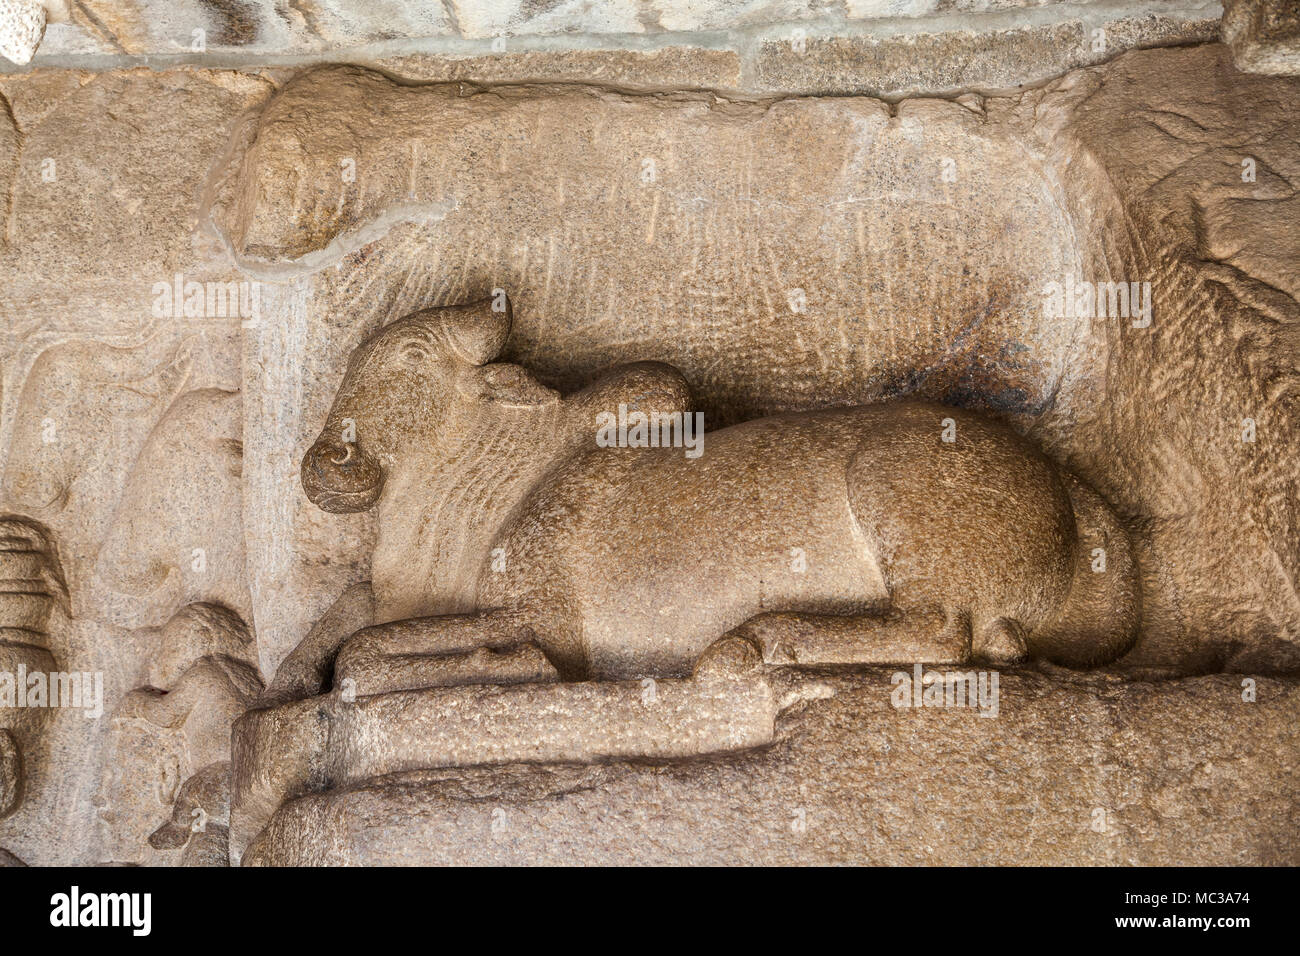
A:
[897,637]
[486,648]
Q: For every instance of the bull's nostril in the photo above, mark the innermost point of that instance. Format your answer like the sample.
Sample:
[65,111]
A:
[340,477]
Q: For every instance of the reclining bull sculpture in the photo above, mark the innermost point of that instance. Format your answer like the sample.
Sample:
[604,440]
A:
[512,547]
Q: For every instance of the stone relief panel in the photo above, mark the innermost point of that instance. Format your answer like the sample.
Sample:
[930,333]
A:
[590,451]
[970,549]
[773,258]
[120,422]
[169,746]
[108,445]
[481,628]
[814,264]
[925,534]
[81,409]
[736,231]
[177,534]
[31,588]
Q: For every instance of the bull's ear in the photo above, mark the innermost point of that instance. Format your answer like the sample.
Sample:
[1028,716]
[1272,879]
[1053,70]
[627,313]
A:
[503,383]
[477,332]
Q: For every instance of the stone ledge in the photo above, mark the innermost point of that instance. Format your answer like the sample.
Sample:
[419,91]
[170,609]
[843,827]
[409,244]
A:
[1073,770]
[792,47]
[951,61]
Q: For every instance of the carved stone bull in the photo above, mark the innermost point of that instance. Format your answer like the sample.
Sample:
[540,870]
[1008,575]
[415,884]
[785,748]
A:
[509,541]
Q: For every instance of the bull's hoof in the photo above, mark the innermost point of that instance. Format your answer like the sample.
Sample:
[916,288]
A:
[732,657]
[1000,643]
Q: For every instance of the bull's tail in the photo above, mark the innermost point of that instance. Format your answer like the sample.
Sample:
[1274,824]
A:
[1099,618]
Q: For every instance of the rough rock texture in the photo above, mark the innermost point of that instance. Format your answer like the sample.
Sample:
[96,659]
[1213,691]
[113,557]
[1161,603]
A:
[665,68]
[1070,771]
[1195,417]
[730,703]
[1264,35]
[958,60]
[892,47]
[22,25]
[785,252]
[203,676]
[110,411]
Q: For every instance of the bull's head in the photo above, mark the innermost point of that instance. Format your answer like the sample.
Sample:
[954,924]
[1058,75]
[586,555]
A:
[407,387]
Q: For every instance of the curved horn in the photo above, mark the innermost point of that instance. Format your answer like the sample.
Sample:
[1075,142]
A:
[476,332]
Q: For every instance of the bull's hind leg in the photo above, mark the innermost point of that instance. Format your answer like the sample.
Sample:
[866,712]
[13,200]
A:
[485,648]
[895,637]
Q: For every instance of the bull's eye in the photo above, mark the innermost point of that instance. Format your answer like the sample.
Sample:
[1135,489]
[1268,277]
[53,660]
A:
[414,353]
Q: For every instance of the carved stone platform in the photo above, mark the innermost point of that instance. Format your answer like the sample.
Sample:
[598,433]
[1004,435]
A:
[1073,770]
[730,704]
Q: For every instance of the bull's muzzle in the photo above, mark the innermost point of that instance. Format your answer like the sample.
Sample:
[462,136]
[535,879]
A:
[340,478]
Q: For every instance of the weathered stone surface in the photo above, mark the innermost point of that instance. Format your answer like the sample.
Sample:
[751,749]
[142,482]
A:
[731,703]
[1069,772]
[939,61]
[32,589]
[875,229]
[786,252]
[114,409]
[22,25]
[203,675]
[1264,35]
[1199,410]
[671,178]
[801,46]
[193,27]
[200,823]
[673,67]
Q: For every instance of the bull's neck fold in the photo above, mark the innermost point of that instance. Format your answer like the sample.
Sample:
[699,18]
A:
[443,507]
